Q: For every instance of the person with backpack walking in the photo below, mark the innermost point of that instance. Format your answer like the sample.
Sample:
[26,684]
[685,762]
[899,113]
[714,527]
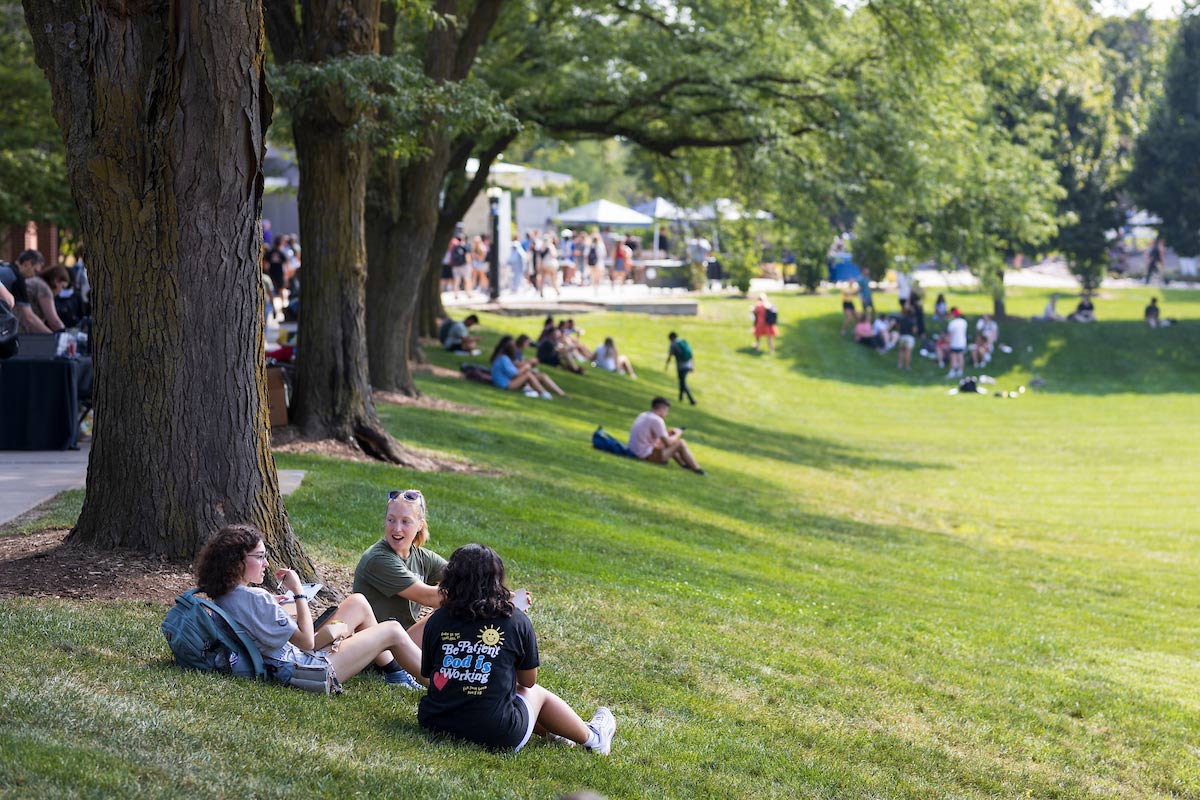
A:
[597,254]
[236,557]
[765,317]
[481,660]
[681,351]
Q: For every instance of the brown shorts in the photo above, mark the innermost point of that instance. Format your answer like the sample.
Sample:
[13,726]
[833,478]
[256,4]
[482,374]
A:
[656,456]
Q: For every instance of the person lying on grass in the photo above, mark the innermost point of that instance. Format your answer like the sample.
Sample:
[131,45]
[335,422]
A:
[398,575]
[481,658]
[236,557]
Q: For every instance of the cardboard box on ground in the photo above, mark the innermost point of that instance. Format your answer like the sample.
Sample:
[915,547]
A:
[277,397]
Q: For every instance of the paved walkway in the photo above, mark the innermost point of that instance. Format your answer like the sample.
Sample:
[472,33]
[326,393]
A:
[28,479]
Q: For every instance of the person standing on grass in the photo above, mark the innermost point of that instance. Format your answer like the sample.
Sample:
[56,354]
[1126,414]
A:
[651,440]
[481,659]
[849,315]
[236,557]
[957,328]
[907,328]
[682,353]
[864,292]
[1154,259]
[764,323]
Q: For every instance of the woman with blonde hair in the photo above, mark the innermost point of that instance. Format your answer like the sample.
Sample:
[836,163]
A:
[398,575]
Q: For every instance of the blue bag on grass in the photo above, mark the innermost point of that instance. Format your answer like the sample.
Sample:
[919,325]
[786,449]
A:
[603,440]
[203,637]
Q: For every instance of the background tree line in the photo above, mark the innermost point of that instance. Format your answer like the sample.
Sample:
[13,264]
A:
[960,130]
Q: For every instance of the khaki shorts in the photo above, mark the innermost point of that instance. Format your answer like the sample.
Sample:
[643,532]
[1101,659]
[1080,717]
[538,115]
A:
[656,456]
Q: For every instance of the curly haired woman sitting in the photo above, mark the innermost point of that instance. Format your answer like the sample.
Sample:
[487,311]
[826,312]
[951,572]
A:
[236,557]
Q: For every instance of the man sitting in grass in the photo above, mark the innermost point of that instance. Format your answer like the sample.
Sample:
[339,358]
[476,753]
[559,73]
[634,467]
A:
[457,338]
[651,440]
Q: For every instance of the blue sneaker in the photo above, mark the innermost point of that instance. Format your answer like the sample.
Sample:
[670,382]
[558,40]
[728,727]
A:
[402,678]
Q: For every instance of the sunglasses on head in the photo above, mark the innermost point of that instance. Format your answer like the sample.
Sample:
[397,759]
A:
[408,495]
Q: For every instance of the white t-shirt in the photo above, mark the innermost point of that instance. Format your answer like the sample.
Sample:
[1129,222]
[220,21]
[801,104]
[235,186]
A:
[605,359]
[958,333]
[989,329]
[647,429]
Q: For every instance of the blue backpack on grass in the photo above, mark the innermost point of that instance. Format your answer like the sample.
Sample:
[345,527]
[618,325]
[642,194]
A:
[203,637]
[603,440]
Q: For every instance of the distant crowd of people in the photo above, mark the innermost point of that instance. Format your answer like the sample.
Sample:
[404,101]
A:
[541,261]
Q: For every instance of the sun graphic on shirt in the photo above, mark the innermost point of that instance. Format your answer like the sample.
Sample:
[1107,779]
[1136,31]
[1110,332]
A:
[491,636]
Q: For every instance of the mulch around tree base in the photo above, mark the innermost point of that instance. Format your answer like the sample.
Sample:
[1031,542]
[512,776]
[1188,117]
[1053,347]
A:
[41,565]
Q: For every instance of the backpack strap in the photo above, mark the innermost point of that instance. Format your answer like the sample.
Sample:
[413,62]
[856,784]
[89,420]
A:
[240,632]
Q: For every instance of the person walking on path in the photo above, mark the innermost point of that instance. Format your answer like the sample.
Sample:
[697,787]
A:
[765,316]
[682,353]
[1155,259]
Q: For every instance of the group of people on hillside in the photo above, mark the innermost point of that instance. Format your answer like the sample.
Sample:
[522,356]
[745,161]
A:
[1085,311]
[452,628]
[906,329]
[558,345]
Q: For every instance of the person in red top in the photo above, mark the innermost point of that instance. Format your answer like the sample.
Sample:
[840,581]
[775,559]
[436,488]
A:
[621,260]
[764,323]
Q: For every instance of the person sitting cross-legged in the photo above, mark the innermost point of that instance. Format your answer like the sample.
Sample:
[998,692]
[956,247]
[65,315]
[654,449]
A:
[651,440]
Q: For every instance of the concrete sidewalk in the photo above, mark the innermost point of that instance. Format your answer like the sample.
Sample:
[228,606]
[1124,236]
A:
[28,479]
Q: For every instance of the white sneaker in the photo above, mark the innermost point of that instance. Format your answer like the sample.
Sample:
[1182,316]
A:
[547,396]
[604,724]
[530,392]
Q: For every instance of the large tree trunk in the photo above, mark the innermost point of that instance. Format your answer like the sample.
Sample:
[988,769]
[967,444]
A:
[163,108]
[389,368]
[408,206]
[333,394]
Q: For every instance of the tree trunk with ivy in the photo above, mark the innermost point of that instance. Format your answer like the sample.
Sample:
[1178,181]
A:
[163,109]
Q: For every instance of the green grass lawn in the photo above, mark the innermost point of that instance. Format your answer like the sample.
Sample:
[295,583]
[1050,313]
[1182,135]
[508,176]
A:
[879,590]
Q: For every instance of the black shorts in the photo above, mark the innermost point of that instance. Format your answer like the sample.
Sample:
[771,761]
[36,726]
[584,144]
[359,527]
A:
[447,274]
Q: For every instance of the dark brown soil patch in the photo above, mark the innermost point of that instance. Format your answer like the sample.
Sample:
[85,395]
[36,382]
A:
[288,440]
[436,371]
[41,565]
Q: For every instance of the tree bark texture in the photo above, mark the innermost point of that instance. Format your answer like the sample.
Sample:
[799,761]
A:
[410,205]
[333,393]
[404,222]
[162,107]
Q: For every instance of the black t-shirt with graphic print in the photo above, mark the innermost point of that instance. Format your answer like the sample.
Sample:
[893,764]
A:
[472,669]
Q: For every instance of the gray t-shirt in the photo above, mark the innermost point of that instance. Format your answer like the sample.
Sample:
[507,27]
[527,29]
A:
[382,574]
[263,618]
[455,336]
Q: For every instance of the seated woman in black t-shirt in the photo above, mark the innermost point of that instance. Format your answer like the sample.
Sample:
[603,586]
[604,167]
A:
[480,656]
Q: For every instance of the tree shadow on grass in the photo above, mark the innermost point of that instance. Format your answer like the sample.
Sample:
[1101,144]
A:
[792,448]
[1114,357]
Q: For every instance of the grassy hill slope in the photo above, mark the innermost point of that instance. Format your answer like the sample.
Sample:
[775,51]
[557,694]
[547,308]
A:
[879,590]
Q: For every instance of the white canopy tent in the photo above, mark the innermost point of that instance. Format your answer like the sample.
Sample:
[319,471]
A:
[604,212]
